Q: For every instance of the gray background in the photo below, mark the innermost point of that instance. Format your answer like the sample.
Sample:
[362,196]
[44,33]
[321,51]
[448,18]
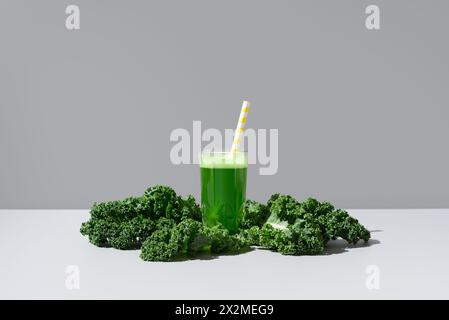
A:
[86,115]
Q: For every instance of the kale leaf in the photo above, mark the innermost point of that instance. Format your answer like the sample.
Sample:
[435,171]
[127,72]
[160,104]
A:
[126,224]
[298,228]
[168,227]
[187,239]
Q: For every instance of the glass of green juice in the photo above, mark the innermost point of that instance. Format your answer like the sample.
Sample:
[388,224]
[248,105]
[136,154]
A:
[223,188]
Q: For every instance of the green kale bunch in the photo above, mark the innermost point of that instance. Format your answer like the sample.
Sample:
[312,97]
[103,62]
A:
[167,227]
[161,223]
[333,222]
[297,228]
[187,239]
[126,224]
[254,214]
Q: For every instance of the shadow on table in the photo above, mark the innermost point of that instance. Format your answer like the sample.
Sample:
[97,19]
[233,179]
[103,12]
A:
[212,256]
[340,246]
[332,247]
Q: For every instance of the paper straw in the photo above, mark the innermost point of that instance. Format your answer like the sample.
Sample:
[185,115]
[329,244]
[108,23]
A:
[240,128]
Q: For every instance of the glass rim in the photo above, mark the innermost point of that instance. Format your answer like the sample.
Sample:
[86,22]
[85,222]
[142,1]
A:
[217,159]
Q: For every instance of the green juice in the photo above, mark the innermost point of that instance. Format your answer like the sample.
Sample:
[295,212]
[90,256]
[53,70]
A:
[223,189]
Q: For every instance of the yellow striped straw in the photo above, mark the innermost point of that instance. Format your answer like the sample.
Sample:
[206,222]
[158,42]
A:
[240,127]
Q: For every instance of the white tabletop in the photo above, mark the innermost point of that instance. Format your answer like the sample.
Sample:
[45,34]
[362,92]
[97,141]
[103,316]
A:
[407,258]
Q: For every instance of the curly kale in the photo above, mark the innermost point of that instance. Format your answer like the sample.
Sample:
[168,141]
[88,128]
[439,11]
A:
[221,240]
[167,227]
[285,207]
[126,224]
[298,228]
[302,237]
[121,210]
[170,241]
[131,234]
[332,222]
[164,202]
[99,231]
[187,239]
[339,223]
[254,214]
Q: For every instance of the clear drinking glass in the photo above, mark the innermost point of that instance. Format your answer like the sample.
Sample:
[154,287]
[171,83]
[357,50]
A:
[223,188]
